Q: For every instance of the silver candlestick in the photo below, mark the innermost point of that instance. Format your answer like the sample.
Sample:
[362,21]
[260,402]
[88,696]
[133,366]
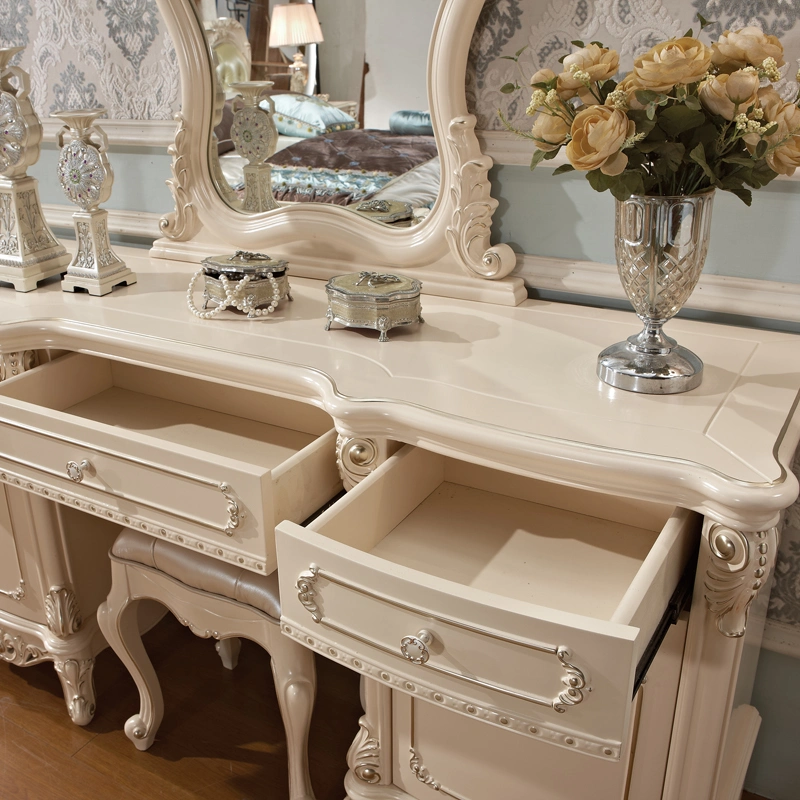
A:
[29,251]
[85,175]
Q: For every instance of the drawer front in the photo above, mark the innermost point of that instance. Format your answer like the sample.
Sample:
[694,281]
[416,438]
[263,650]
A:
[566,681]
[220,509]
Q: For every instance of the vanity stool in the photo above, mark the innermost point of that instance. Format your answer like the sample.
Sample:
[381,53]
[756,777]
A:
[216,599]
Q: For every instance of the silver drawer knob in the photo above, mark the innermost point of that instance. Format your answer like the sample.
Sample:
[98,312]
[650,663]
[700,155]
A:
[75,471]
[415,648]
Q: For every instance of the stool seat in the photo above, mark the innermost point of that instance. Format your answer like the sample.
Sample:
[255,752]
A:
[200,571]
[213,599]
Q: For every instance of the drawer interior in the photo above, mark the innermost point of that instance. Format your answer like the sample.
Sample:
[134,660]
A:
[514,536]
[261,429]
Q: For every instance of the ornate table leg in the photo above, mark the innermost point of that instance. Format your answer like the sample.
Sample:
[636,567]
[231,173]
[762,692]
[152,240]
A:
[358,456]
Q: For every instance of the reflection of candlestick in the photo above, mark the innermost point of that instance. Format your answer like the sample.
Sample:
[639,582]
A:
[29,252]
[86,178]
[255,137]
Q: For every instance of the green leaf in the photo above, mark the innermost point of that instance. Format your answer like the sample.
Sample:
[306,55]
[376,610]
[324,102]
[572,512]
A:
[651,112]
[561,60]
[706,135]
[690,101]
[745,161]
[606,88]
[645,96]
[761,149]
[675,120]
[745,195]
[509,58]
[577,43]
[520,51]
[772,129]
[551,154]
[542,85]
[689,33]
[538,155]
[599,44]
[672,153]
[698,155]
[598,181]
[762,174]
[508,88]
[563,168]
[704,23]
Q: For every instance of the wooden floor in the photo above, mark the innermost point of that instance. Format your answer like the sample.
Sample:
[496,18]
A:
[221,737]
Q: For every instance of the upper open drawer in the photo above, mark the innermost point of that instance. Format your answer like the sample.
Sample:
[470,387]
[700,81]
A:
[207,465]
[515,601]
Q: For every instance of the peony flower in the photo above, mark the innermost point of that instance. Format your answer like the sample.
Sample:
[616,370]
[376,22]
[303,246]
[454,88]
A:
[598,64]
[629,85]
[598,133]
[747,46]
[550,131]
[785,158]
[542,76]
[678,61]
[727,94]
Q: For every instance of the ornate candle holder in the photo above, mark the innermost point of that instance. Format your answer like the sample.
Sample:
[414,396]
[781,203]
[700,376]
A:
[86,177]
[29,251]
[255,137]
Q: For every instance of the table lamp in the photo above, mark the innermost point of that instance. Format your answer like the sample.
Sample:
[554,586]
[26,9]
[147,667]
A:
[295,24]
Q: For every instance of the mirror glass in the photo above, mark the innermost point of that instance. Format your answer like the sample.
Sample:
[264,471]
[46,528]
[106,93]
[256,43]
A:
[350,112]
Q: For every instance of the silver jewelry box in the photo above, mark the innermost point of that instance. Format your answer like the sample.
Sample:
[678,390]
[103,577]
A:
[267,283]
[373,300]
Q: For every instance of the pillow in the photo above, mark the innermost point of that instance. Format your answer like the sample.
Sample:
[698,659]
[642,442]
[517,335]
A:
[304,116]
[411,123]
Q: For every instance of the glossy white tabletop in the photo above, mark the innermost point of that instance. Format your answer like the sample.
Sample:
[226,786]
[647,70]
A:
[510,386]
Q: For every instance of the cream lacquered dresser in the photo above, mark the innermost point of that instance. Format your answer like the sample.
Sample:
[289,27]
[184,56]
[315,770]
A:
[516,538]
[498,577]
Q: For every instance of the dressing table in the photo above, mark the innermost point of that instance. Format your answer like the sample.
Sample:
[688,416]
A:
[514,534]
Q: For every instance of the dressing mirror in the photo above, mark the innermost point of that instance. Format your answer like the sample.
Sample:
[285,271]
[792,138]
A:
[451,244]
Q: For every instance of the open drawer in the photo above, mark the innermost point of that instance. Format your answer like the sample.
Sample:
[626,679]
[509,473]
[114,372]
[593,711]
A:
[518,602]
[206,465]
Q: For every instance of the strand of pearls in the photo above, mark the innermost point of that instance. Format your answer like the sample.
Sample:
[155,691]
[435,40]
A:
[234,297]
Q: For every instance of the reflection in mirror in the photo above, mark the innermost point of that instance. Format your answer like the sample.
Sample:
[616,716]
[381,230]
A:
[364,143]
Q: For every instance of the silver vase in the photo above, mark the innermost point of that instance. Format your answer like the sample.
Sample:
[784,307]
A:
[661,246]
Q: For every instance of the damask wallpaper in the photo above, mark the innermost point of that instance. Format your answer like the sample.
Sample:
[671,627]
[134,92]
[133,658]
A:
[630,26]
[88,53]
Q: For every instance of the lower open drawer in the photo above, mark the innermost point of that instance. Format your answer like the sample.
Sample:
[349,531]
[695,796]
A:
[514,601]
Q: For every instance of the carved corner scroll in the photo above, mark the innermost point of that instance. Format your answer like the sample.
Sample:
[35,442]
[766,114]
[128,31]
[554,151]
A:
[473,206]
[356,458]
[182,223]
[739,565]
[364,755]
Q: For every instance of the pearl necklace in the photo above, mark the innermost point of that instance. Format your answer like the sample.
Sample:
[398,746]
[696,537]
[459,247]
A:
[234,297]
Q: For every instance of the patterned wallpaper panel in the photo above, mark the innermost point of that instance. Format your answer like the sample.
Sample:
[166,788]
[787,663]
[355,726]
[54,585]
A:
[629,26]
[88,53]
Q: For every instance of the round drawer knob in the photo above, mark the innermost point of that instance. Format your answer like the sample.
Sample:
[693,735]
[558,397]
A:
[75,471]
[415,648]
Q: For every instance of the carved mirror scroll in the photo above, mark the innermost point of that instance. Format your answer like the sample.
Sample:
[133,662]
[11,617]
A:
[450,247]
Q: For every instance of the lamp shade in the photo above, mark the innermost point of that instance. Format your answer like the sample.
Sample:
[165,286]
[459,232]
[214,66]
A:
[294,24]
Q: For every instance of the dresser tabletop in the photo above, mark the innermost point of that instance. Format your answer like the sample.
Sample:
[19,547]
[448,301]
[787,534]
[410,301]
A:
[505,386]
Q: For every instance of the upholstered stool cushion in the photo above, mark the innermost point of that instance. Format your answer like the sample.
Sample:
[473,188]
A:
[200,571]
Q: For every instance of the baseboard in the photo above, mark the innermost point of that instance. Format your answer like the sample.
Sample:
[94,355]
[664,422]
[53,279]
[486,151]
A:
[718,293]
[739,742]
[782,638]
[126,223]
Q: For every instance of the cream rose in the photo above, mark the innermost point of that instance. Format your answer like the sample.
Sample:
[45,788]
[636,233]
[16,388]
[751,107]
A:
[598,133]
[678,61]
[747,46]
[629,85]
[542,76]
[599,63]
[550,132]
[729,95]
[786,157]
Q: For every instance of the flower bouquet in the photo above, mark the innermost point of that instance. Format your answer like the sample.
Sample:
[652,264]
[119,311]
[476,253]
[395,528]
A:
[688,119]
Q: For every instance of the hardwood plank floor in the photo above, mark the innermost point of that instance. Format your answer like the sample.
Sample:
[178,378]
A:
[221,737]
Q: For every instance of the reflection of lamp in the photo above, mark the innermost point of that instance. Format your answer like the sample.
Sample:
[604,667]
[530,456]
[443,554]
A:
[295,24]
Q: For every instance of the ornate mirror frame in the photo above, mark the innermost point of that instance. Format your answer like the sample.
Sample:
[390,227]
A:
[451,244]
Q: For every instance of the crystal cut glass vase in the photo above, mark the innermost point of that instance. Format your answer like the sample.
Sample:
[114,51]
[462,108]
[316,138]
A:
[661,247]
